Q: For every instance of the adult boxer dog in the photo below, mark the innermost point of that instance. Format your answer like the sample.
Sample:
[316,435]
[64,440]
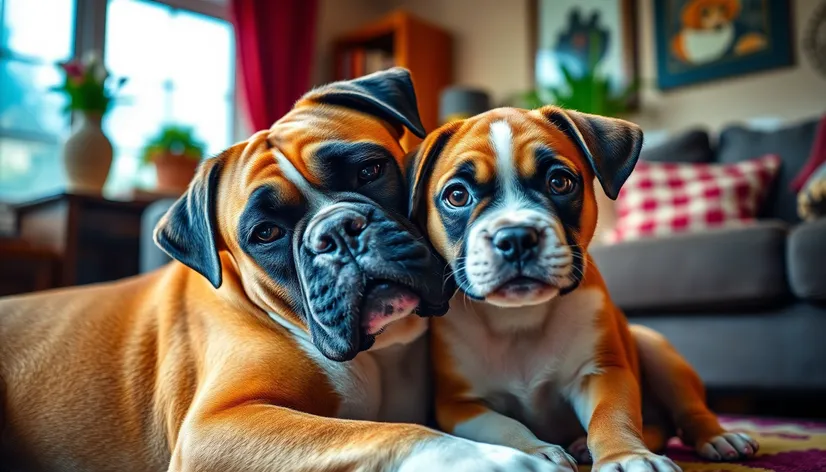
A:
[248,354]
[533,353]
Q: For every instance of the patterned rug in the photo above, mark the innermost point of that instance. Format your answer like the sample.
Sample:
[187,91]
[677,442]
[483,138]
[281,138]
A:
[785,446]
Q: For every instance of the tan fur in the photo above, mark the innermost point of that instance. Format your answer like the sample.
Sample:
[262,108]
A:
[482,353]
[163,369]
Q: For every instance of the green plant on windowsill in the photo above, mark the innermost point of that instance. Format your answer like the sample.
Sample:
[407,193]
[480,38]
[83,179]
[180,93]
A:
[176,153]
[173,140]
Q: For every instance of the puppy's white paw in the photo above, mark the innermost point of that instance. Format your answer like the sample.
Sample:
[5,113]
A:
[555,454]
[728,447]
[642,461]
[460,455]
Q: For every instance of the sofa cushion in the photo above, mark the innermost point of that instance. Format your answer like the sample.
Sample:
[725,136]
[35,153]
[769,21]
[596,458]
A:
[661,199]
[806,250]
[731,267]
[793,144]
[151,256]
[691,147]
[770,349]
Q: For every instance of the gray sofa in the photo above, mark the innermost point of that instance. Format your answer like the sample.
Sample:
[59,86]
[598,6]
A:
[746,306]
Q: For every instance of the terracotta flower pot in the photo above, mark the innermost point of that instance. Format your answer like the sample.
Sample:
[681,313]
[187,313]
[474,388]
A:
[174,171]
[87,155]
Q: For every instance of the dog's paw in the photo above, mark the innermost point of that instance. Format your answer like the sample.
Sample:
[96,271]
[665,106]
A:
[641,461]
[460,455]
[728,447]
[555,454]
[580,452]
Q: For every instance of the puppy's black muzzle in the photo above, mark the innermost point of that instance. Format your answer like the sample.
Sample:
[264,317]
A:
[347,249]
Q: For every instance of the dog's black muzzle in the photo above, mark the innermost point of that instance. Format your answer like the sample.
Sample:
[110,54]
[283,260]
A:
[351,252]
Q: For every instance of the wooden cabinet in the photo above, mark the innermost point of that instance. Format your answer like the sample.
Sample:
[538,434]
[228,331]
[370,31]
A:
[424,49]
[94,239]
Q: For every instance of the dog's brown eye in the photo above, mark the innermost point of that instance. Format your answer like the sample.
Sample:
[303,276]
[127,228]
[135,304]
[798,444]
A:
[561,182]
[371,172]
[267,233]
[457,195]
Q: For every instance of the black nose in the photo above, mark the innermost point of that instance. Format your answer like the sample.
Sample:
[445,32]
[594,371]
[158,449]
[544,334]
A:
[340,229]
[516,244]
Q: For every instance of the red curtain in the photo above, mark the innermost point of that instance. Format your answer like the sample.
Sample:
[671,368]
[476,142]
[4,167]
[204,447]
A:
[275,41]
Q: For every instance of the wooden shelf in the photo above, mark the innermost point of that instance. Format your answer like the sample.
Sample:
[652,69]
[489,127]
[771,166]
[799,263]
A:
[426,50]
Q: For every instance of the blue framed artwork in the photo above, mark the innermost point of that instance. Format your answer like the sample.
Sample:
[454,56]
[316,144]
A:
[703,40]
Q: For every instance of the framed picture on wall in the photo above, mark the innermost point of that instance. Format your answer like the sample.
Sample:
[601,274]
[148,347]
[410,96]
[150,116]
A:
[583,37]
[702,40]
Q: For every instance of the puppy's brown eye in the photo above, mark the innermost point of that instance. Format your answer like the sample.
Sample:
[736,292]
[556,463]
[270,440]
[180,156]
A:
[456,195]
[561,182]
[267,233]
[371,172]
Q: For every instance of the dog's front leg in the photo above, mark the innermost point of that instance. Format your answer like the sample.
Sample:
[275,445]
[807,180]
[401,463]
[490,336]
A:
[609,407]
[253,437]
[472,419]
[265,437]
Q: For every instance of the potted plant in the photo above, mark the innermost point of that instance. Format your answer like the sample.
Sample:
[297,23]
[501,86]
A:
[87,154]
[176,153]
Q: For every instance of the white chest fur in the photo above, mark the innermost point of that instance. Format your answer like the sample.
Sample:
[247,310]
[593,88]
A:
[523,366]
[389,384]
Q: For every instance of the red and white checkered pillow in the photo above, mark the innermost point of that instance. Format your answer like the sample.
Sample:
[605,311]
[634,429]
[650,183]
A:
[667,198]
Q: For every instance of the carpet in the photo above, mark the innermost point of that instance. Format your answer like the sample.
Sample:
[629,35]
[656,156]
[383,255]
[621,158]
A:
[785,446]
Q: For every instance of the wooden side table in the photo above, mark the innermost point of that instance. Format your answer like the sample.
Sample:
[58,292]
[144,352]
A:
[96,239]
[26,268]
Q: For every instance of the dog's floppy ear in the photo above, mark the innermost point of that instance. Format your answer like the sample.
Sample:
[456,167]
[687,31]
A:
[188,231]
[419,165]
[387,94]
[612,146]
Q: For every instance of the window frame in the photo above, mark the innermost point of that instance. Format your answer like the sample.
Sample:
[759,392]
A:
[90,35]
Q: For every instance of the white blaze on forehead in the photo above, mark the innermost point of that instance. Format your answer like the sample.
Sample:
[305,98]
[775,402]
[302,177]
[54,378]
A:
[501,137]
[312,194]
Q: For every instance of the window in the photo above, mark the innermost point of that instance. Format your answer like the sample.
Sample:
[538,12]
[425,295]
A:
[178,57]
[32,122]
[180,69]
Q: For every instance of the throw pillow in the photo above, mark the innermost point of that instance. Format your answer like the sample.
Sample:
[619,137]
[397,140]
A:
[811,202]
[668,198]
[691,146]
[792,143]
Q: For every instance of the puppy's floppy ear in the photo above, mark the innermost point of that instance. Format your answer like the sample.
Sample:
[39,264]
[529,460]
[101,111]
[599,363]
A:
[419,165]
[188,231]
[612,146]
[387,94]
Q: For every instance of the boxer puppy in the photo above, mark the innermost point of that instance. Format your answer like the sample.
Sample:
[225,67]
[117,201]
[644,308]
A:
[278,341]
[533,352]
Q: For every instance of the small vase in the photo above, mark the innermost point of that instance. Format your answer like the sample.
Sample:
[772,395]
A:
[87,155]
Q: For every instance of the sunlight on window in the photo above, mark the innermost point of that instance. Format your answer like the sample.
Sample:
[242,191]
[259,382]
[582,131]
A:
[34,35]
[180,67]
[40,29]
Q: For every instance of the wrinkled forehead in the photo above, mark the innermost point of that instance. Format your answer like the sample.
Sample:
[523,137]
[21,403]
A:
[505,141]
[249,165]
[297,153]
[304,133]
